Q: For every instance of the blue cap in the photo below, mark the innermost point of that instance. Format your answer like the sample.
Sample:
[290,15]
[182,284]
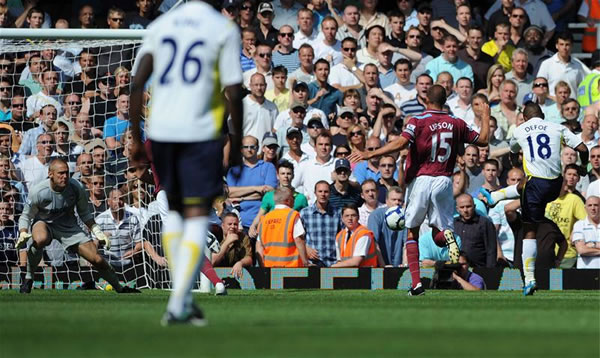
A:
[342,163]
[269,138]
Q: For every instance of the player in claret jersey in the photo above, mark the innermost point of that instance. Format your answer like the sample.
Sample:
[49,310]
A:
[435,138]
[541,142]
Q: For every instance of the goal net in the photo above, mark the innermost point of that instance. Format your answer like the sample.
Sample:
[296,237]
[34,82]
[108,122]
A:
[83,76]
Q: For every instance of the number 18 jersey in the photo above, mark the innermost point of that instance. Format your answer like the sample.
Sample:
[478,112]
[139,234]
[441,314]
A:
[196,52]
[435,139]
[542,142]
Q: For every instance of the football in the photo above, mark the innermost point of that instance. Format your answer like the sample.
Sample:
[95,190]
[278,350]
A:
[394,218]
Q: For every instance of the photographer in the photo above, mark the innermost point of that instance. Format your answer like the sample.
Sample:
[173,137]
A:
[467,280]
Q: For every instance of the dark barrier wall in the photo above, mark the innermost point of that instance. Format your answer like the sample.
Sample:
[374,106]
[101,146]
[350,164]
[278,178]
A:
[317,278]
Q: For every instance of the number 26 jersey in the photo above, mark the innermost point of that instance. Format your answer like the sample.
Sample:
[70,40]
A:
[196,52]
[542,142]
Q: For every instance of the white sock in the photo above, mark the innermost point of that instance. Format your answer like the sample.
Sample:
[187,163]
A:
[510,192]
[189,259]
[529,254]
[171,238]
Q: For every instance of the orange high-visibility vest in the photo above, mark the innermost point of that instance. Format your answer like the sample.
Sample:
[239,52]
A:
[277,237]
[347,245]
[589,42]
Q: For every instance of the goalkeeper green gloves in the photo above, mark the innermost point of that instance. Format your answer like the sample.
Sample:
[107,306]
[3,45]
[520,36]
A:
[101,236]
[23,238]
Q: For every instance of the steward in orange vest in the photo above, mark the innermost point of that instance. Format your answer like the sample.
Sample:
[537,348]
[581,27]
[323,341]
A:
[590,40]
[347,239]
[281,234]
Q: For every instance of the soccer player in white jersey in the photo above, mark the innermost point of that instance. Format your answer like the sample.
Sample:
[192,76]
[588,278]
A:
[191,52]
[541,142]
[51,207]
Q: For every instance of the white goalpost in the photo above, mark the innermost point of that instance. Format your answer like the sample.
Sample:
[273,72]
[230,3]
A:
[24,56]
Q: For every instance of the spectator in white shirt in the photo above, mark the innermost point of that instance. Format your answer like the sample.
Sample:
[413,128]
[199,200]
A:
[368,54]
[586,236]
[315,169]
[306,32]
[369,195]
[460,105]
[346,75]
[35,169]
[259,113]
[403,90]
[306,72]
[328,47]
[47,95]
[563,66]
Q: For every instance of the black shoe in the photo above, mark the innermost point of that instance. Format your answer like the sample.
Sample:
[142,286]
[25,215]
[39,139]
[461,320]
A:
[127,289]
[88,285]
[194,318]
[417,291]
[26,286]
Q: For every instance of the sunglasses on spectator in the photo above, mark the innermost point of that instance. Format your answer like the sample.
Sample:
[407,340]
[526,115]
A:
[299,110]
[342,154]
[349,49]
[250,147]
[540,84]
[5,67]
[18,105]
[518,16]
[73,103]
[263,55]
[414,36]
[356,134]
[315,126]
[371,149]
[342,171]
[7,89]
[347,116]
[286,34]
[246,7]
[117,19]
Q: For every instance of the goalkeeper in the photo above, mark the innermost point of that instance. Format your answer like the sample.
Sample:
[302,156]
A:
[51,206]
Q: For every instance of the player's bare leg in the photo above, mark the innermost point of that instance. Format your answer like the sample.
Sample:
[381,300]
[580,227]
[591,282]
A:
[412,256]
[89,251]
[41,238]
[528,256]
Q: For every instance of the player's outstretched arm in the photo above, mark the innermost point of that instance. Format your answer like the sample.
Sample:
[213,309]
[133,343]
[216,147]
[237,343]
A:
[136,98]
[484,133]
[393,146]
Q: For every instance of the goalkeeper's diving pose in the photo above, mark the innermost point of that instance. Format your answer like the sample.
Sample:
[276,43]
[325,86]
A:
[51,206]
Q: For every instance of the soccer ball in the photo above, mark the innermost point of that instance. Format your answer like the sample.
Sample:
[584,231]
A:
[394,218]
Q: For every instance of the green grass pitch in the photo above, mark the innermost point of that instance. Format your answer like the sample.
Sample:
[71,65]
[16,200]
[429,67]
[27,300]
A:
[304,323]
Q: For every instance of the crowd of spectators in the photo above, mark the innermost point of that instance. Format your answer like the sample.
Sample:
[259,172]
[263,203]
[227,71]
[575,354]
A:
[323,78]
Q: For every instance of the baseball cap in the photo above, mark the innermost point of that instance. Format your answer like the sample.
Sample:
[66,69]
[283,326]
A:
[265,7]
[296,104]
[299,85]
[534,27]
[97,142]
[269,138]
[229,3]
[344,110]
[313,121]
[293,130]
[424,7]
[342,163]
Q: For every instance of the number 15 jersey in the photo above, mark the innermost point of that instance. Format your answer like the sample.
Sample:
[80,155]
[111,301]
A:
[435,138]
[196,52]
[542,142]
